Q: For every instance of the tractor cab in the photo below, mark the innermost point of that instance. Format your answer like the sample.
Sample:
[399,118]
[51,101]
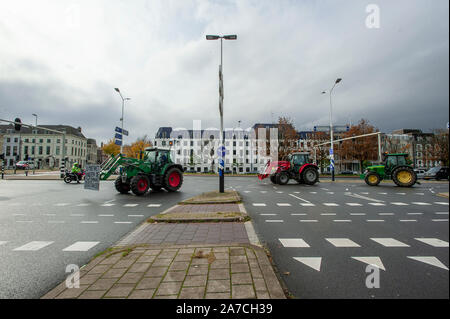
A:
[299,159]
[156,156]
[391,161]
[396,167]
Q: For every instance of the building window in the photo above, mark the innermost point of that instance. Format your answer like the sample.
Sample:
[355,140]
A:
[40,150]
[8,140]
[48,150]
[57,150]
[41,140]
[8,150]
[48,140]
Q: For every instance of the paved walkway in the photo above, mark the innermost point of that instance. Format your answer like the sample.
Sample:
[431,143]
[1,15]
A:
[166,271]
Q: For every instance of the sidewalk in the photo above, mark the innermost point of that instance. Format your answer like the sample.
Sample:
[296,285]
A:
[200,260]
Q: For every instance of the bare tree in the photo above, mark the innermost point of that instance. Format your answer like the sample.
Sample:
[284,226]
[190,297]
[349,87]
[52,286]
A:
[287,137]
[439,147]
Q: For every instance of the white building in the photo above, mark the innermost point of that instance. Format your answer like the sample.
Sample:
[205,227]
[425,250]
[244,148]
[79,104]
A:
[44,146]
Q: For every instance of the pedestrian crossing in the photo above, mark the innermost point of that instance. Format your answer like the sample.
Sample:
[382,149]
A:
[106,204]
[315,262]
[33,246]
[327,204]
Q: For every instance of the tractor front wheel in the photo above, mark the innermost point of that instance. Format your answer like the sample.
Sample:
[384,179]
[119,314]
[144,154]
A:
[282,178]
[139,185]
[273,179]
[372,179]
[173,179]
[404,177]
[121,187]
[310,176]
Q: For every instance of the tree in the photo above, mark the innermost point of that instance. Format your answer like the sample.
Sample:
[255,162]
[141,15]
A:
[287,137]
[111,148]
[363,148]
[439,147]
[134,150]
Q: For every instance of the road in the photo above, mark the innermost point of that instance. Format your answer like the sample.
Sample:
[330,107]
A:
[321,237]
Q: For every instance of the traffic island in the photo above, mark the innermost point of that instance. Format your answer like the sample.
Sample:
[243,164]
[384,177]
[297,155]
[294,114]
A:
[445,194]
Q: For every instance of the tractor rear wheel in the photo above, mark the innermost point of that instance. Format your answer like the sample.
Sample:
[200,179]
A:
[282,178]
[139,185]
[273,179]
[372,179]
[310,176]
[404,177]
[173,178]
[121,187]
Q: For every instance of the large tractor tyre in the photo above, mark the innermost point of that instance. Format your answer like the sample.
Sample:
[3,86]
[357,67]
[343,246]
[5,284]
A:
[139,185]
[310,176]
[372,179]
[173,178]
[273,179]
[121,187]
[404,177]
[282,178]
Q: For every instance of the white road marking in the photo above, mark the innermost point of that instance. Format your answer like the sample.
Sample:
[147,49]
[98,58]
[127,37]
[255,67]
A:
[135,215]
[377,204]
[274,221]
[353,204]
[363,197]
[330,204]
[298,214]
[382,193]
[331,193]
[313,192]
[24,221]
[441,203]
[414,213]
[325,189]
[400,193]
[130,205]
[365,193]
[279,192]
[123,222]
[374,220]
[89,222]
[408,220]
[263,192]
[358,214]
[283,204]
[421,203]
[247,191]
[342,220]
[56,222]
[440,220]
[267,214]
[154,205]
[374,261]
[105,215]
[342,242]
[328,214]
[33,245]
[62,204]
[435,242]
[259,204]
[441,213]
[308,220]
[399,204]
[313,262]
[389,242]
[81,246]
[307,204]
[304,200]
[76,215]
[83,205]
[419,193]
[293,242]
[430,260]
[49,214]
[107,205]
[296,192]
[385,214]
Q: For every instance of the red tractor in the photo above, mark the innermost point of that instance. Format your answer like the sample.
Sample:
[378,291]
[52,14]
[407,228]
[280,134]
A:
[297,167]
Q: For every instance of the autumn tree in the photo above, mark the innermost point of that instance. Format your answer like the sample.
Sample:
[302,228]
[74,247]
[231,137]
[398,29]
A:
[439,147]
[287,137]
[362,148]
[111,148]
[321,152]
[134,149]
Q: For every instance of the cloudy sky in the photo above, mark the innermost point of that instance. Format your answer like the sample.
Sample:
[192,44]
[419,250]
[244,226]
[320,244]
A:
[62,59]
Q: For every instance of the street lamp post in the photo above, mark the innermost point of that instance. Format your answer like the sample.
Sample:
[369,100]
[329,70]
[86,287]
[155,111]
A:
[121,119]
[34,147]
[221,96]
[331,130]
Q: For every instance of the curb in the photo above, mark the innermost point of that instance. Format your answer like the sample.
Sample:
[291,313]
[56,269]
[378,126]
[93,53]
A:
[445,195]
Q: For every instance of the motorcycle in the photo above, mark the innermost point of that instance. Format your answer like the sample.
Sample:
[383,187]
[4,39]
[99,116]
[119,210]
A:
[69,176]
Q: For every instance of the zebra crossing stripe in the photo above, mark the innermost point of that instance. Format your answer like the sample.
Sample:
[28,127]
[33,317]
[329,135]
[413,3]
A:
[33,246]
[307,204]
[293,242]
[274,221]
[342,242]
[331,204]
[259,204]
[81,246]
[441,203]
[389,242]
[130,205]
[62,204]
[123,222]
[107,205]
[399,204]
[283,204]
[154,205]
[377,204]
[421,203]
[353,204]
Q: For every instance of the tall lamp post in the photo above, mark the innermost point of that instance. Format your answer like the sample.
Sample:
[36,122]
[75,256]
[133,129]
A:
[121,119]
[221,95]
[331,130]
[34,147]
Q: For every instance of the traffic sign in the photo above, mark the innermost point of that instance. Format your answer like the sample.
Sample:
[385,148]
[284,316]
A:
[118,136]
[331,151]
[118,129]
[125,132]
[118,142]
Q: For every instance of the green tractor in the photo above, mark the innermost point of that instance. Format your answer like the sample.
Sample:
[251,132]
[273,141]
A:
[395,167]
[154,170]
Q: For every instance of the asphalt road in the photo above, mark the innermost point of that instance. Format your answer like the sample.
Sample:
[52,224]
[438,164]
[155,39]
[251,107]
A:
[307,229]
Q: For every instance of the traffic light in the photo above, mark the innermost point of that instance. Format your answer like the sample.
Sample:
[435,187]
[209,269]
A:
[16,125]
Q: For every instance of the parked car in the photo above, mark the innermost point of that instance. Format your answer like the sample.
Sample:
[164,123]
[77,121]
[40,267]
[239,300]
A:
[438,172]
[420,172]
[25,165]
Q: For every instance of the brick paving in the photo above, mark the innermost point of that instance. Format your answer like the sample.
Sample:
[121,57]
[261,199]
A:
[192,233]
[225,208]
[177,271]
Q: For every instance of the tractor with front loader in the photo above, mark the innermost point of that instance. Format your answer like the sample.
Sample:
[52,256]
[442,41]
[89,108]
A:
[395,167]
[297,167]
[153,170]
